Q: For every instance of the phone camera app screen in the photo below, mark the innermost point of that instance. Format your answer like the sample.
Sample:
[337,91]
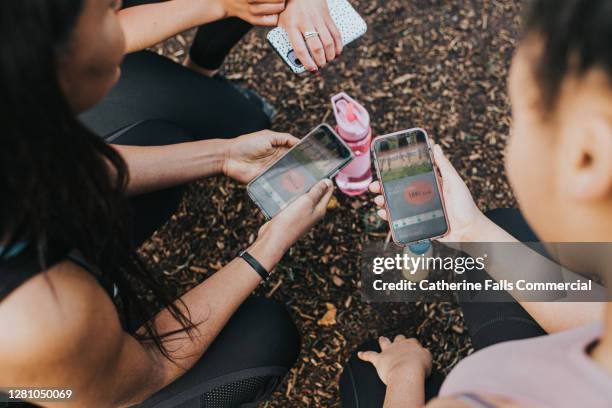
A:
[409,181]
[313,159]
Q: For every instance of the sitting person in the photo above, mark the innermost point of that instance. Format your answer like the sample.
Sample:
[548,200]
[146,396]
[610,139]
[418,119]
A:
[559,161]
[69,272]
[222,23]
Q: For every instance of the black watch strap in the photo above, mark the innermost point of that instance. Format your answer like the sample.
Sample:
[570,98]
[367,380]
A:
[255,265]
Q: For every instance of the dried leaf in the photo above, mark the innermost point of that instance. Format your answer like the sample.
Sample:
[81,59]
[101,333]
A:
[337,280]
[329,318]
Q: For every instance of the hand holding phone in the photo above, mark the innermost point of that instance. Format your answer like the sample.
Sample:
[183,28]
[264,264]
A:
[249,155]
[464,218]
[319,155]
[298,217]
[410,187]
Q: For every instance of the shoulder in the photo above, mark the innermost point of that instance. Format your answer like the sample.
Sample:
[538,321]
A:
[52,317]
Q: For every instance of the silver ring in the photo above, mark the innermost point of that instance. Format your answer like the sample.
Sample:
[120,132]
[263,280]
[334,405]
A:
[310,34]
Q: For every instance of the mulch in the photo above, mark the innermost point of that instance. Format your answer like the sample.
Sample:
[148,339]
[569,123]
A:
[435,64]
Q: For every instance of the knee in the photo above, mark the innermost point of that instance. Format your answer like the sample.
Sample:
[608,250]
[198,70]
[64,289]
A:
[255,120]
[355,363]
[152,132]
[359,382]
[268,327]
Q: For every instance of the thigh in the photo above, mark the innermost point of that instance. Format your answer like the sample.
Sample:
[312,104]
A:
[490,323]
[360,386]
[153,87]
[244,364]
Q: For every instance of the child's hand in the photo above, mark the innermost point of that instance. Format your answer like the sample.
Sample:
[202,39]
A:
[256,12]
[401,358]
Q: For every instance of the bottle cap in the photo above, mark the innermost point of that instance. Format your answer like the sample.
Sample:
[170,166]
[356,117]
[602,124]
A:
[420,248]
[352,118]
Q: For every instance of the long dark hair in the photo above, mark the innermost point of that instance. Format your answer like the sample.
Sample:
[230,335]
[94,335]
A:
[61,186]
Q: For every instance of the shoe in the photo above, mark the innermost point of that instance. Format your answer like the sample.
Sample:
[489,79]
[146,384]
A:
[253,96]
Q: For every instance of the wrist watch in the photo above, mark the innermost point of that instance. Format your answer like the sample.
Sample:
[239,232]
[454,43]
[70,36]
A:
[254,263]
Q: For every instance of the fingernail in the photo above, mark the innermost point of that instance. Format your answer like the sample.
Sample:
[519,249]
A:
[328,183]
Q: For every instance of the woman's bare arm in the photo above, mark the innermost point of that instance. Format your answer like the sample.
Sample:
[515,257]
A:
[65,333]
[513,259]
[155,168]
[243,158]
[149,24]
[405,392]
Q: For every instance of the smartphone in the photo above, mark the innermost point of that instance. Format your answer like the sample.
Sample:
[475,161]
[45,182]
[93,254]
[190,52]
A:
[409,183]
[350,24]
[319,155]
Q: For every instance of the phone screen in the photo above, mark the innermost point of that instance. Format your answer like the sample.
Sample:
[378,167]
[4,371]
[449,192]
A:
[318,155]
[411,190]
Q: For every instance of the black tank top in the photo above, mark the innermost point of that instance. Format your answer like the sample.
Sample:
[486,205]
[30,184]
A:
[22,261]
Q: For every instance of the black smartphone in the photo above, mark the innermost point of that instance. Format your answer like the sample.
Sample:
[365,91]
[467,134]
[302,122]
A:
[319,155]
[405,168]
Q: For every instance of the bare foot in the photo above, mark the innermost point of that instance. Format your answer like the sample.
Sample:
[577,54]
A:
[188,63]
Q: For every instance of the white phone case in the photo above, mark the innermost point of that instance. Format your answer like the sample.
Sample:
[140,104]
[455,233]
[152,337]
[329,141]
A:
[348,21]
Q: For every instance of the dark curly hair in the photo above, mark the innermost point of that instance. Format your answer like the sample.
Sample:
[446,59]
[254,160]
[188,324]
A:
[576,35]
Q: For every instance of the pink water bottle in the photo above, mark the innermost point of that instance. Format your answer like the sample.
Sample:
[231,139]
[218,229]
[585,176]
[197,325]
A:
[354,127]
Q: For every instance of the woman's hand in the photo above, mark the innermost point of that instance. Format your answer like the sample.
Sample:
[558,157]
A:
[464,217]
[256,12]
[303,16]
[287,227]
[402,358]
[249,155]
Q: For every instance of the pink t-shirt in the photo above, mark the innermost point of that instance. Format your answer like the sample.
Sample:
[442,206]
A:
[548,371]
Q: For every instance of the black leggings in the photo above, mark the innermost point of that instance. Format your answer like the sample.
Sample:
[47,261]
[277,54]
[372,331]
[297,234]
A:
[213,41]
[487,324]
[158,102]
[243,366]
[494,322]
